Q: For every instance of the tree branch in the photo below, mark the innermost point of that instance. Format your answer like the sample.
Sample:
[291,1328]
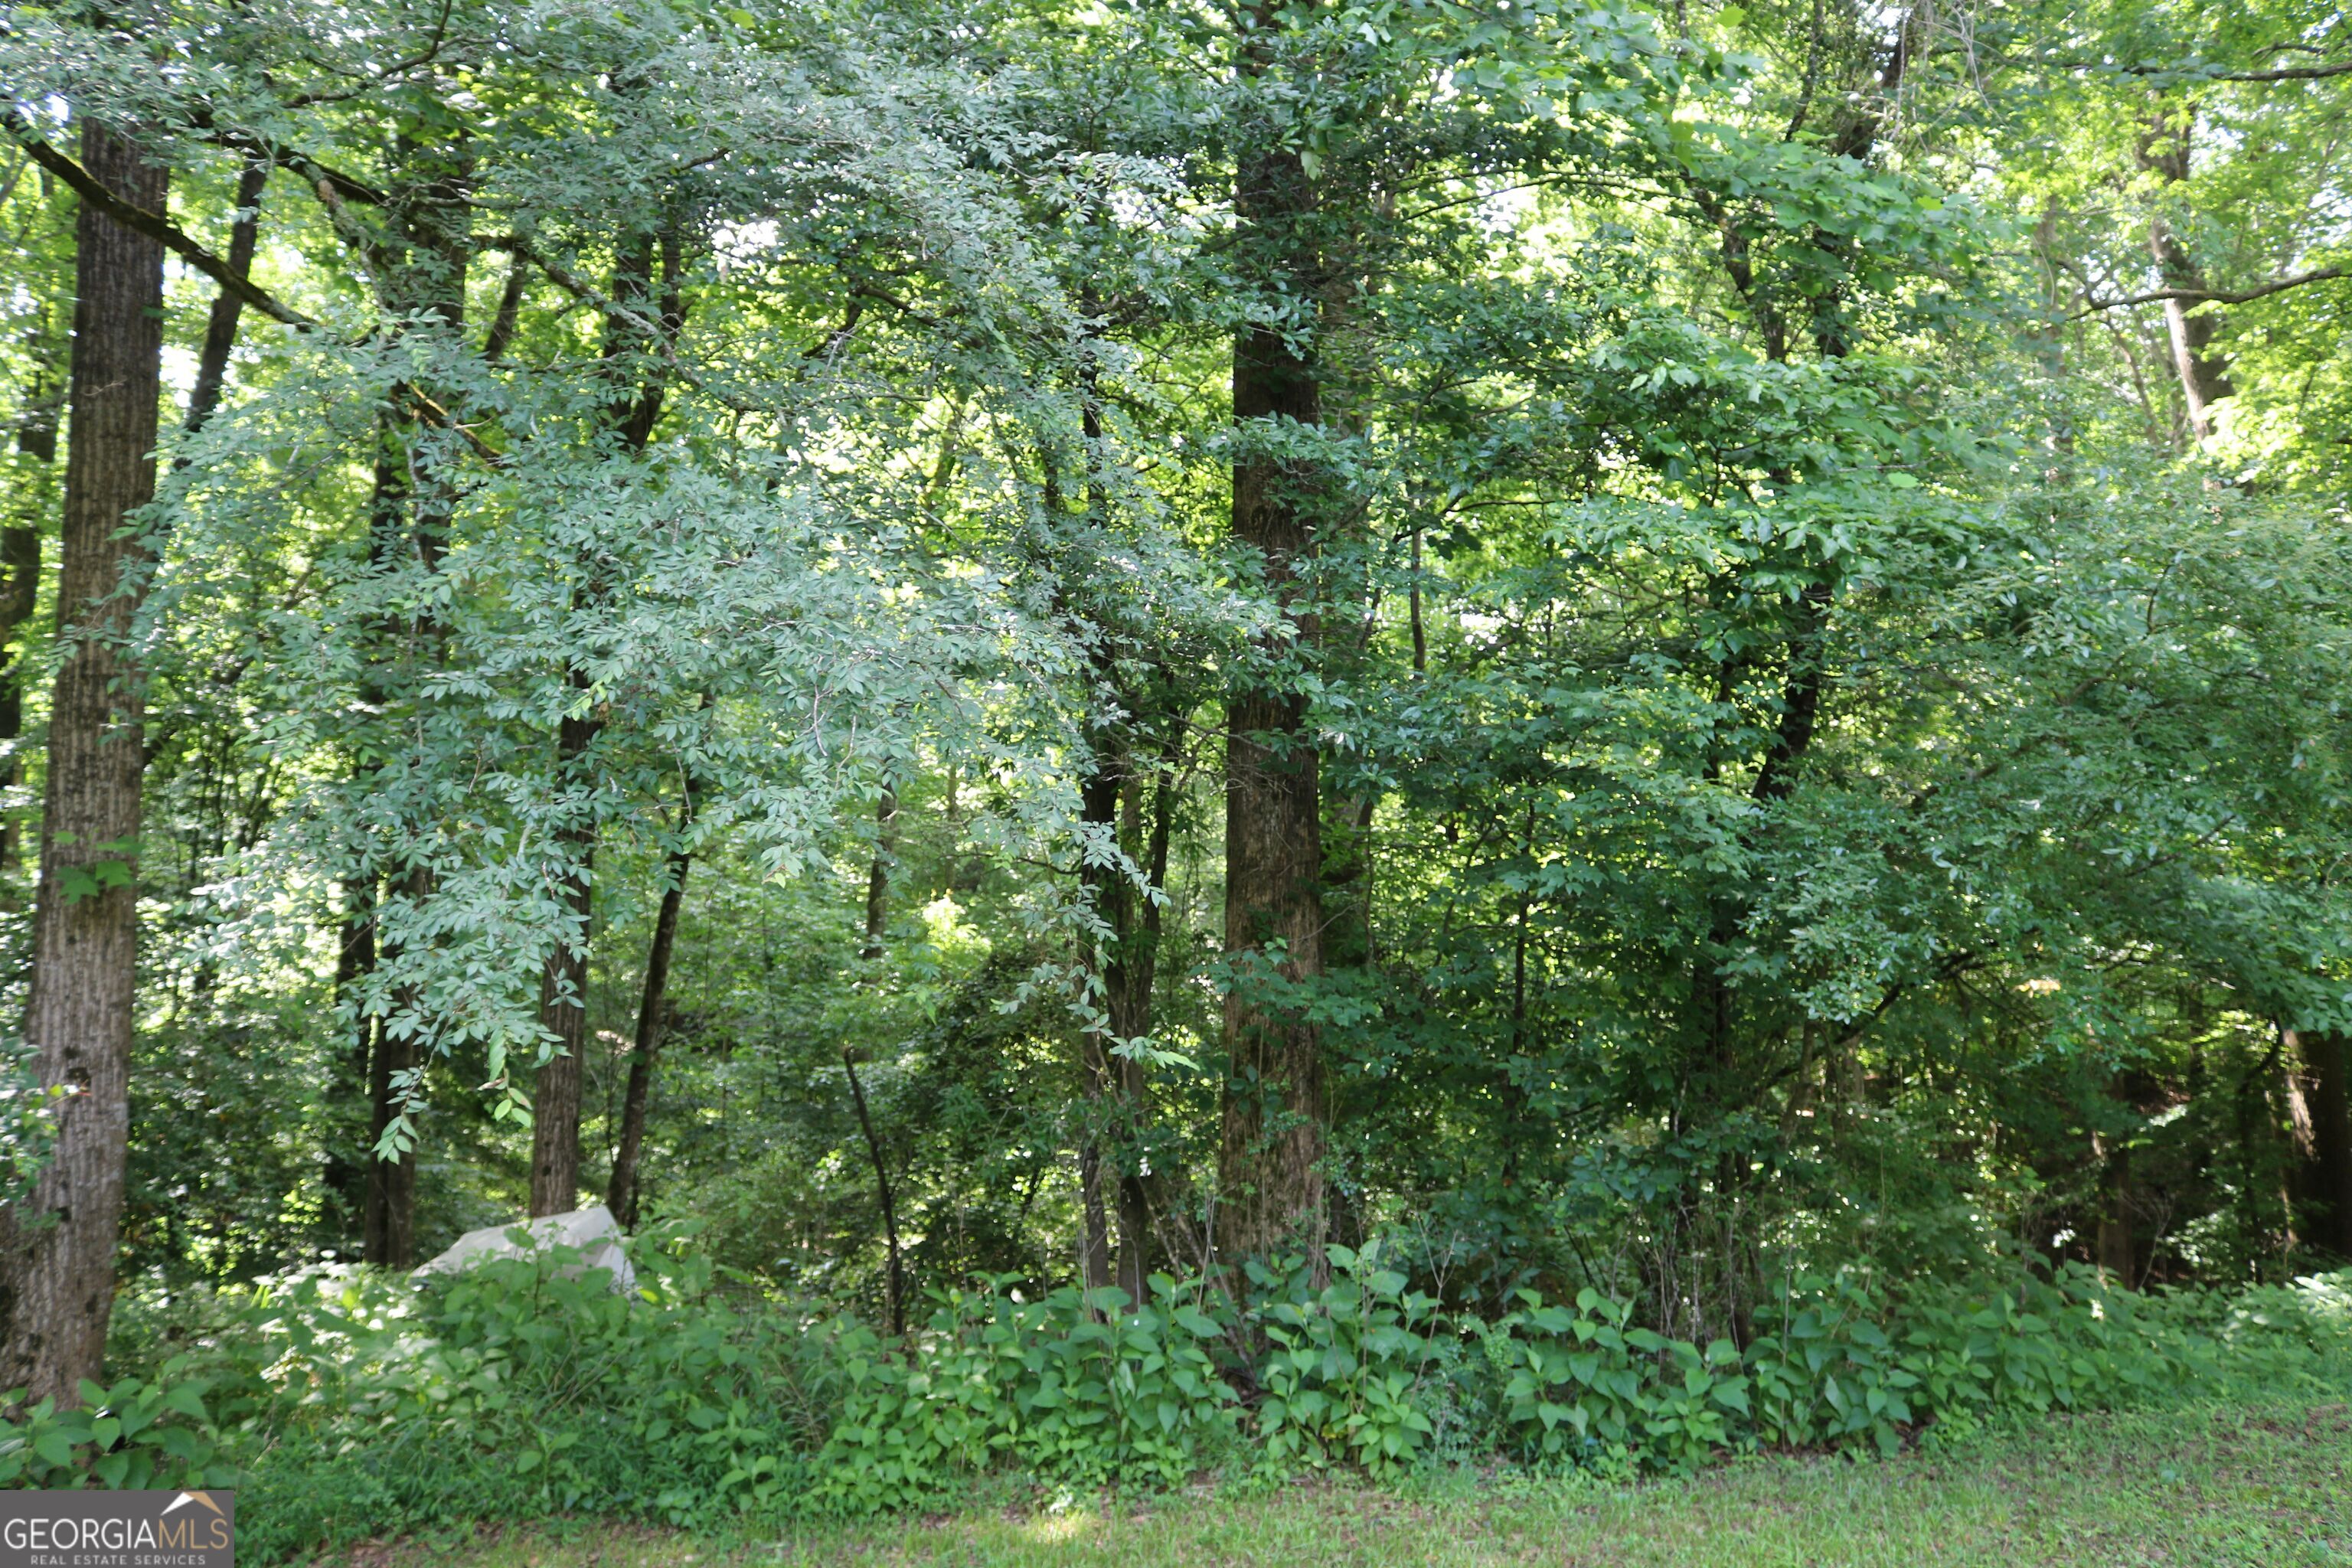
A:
[154,226]
[2215,295]
[425,58]
[2207,72]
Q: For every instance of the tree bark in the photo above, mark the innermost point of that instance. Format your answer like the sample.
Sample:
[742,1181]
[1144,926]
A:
[425,271]
[878,875]
[1141,1211]
[621,1193]
[388,1238]
[347,1177]
[2327,1066]
[220,327]
[61,1245]
[20,589]
[1103,1079]
[389,1188]
[45,345]
[634,411]
[563,989]
[2202,371]
[897,1284]
[1271,1144]
[2114,1238]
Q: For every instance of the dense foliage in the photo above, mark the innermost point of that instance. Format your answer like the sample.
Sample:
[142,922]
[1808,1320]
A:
[1345,728]
[346,1405]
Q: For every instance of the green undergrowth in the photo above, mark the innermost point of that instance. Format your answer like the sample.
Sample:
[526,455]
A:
[2196,1484]
[346,1405]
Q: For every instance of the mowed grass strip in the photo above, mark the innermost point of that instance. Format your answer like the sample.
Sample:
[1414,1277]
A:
[2264,1486]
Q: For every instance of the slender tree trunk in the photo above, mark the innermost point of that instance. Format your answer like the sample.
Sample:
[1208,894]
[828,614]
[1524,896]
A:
[878,875]
[563,991]
[387,1215]
[48,351]
[58,1275]
[1270,1154]
[1141,1211]
[634,411]
[347,1169]
[621,1193]
[20,588]
[1100,1071]
[897,1286]
[2263,1212]
[2114,1238]
[2117,1238]
[2202,371]
[2292,1111]
[388,1238]
[425,271]
[220,327]
[46,347]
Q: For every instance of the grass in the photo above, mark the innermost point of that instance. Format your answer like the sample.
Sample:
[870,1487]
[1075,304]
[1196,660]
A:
[2271,1486]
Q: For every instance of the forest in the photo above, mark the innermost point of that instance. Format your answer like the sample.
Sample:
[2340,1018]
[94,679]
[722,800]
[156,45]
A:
[1172,736]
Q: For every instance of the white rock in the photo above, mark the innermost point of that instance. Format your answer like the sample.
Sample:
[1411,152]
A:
[594,1231]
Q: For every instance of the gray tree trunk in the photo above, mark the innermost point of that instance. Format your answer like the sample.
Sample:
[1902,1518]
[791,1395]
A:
[1270,1174]
[59,1245]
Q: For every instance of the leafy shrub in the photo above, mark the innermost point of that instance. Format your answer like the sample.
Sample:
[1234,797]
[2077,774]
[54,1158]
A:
[1587,1381]
[346,1404]
[136,1435]
[1836,1363]
[1075,1386]
[527,1387]
[1344,1366]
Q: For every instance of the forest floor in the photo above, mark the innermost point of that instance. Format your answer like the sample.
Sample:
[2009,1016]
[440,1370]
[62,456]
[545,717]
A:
[2267,1484]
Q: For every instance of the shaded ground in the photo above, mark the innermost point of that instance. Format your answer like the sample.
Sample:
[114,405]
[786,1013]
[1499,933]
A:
[2271,1486]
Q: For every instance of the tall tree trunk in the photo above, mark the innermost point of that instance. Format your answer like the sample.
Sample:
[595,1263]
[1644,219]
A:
[2113,1239]
[2327,1066]
[59,1273]
[1099,1070]
[2115,1235]
[46,347]
[1140,1210]
[347,1168]
[632,413]
[423,271]
[388,1190]
[1116,1236]
[896,1283]
[1272,1142]
[621,1193]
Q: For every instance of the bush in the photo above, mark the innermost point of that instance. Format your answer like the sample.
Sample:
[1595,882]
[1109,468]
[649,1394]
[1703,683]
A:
[1075,1387]
[1345,1365]
[1586,1382]
[136,1435]
[347,1405]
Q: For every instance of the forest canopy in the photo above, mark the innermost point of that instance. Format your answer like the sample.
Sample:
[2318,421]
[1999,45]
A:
[1585,648]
